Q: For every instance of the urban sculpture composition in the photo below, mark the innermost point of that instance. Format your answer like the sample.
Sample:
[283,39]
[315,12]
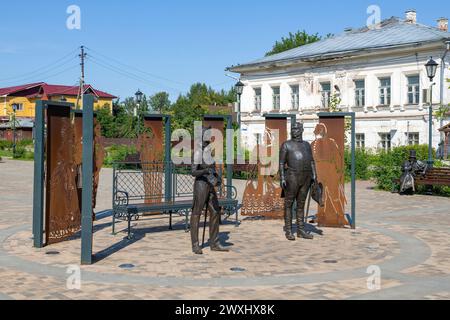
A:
[410,169]
[297,173]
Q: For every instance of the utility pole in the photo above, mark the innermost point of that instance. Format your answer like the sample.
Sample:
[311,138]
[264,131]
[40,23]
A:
[82,56]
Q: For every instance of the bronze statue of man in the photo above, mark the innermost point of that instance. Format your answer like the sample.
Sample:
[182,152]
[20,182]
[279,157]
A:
[297,172]
[205,195]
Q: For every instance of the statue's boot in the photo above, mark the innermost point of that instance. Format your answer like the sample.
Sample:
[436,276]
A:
[195,221]
[288,223]
[301,233]
[214,222]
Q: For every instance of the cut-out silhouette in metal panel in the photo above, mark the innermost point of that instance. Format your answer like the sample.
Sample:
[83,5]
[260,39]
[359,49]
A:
[262,195]
[151,145]
[328,152]
[62,213]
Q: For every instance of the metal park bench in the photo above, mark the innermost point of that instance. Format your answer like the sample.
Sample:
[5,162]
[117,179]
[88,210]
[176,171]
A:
[435,177]
[154,188]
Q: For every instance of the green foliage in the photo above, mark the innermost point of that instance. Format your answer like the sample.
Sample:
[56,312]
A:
[194,105]
[294,40]
[5,145]
[160,102]
[117,153]
[188,108]
[363,161]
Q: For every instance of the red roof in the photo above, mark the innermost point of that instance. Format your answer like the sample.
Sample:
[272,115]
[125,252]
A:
[48,90]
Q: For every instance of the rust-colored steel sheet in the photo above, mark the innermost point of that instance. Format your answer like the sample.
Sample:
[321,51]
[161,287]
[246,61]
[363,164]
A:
[328,151]
[99,157]
[262,195]
[218,124]
[62,207]
[151,143]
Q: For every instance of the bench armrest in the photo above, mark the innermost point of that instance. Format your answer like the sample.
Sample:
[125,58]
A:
[233,191]
[121,198]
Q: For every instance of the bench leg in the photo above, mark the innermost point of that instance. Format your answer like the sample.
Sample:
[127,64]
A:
[186,221]
[236,210]
[129,227]
[170,220]
[113,224]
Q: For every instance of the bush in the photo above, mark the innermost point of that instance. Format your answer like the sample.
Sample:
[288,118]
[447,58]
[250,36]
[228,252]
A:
[5,145]
[363,161]
[117,153]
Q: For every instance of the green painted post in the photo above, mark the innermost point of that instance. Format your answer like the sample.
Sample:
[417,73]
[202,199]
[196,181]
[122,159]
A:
[353,195]
[87,178]
[168,158]
[38,186]
[229,163]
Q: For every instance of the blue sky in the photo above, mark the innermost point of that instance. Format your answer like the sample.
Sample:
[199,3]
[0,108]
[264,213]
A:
[167,45]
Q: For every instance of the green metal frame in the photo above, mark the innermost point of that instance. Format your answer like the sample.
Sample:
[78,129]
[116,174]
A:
[281,116]
[353,160]
[39,174]
[87,173]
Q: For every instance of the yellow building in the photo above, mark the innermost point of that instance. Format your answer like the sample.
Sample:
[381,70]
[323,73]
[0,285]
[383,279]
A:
[25,96]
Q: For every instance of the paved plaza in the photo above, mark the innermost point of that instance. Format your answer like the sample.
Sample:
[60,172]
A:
[405,238]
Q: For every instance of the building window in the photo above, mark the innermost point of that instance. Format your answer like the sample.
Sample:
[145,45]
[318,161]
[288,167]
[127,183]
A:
[295,98]
[413,138]
[413,89]
[19,106]
[326,94]
[276,98]
[385,91]
[360,140]
[257,99]
[360,98]
[385,141]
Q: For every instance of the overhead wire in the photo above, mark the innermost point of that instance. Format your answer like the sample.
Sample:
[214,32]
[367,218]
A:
[135,68]
[129,74]
[43,70]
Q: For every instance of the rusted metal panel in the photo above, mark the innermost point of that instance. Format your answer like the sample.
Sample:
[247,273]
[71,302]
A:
[62,208]
[262,195]
[328,152]
[151,146]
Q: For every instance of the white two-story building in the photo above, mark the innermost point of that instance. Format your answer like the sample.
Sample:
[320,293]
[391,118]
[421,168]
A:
[378,72]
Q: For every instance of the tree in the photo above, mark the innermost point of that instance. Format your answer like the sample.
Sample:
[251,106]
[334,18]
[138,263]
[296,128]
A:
[294,40]
[160,102]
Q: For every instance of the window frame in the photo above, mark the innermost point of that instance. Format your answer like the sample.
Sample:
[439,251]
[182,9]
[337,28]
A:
[295,97]
[385,92]
[257,101]
[412,140]
[276,98]
[413,90]
[325,95]
[385,144]
[360,93]
[360,143]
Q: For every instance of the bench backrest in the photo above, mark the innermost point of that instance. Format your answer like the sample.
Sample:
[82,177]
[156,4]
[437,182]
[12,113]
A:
[146,182]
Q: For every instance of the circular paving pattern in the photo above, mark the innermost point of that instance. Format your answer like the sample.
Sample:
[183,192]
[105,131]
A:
[406,238]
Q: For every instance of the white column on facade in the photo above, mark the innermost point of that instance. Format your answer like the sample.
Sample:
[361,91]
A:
[397,90]
[372,90]
[285,97]
[266,98]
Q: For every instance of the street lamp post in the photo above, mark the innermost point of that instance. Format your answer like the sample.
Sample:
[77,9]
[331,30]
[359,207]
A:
[239,89]
[431,68]
[138,95]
